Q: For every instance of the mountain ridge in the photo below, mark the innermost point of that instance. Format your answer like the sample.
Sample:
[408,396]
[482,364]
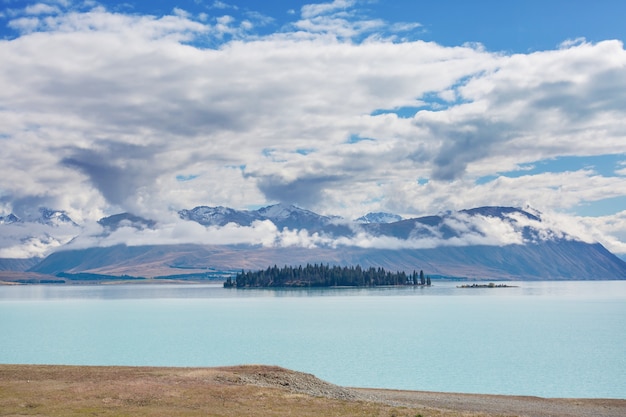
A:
[46,216]
[481,243]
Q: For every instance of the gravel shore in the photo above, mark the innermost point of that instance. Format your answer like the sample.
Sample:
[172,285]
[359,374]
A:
[504,405]
[500,405]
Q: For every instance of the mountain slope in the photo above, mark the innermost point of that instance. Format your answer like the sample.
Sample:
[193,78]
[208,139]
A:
[563,260]
[12,264]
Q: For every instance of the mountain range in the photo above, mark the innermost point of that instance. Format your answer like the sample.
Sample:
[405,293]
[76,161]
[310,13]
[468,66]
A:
[481,243]
[43,216]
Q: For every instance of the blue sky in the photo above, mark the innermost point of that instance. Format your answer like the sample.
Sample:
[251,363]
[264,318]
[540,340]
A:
[343,107]
[509,26]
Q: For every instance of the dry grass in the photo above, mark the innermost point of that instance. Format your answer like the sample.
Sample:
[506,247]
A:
[33,390]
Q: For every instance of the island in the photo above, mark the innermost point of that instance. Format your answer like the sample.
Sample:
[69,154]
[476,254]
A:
[490,285]
[325,276]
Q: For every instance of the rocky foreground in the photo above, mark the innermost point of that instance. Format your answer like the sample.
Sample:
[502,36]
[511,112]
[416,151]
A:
[246,391]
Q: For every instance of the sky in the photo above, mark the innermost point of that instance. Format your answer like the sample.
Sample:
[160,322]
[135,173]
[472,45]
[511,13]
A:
[342,107]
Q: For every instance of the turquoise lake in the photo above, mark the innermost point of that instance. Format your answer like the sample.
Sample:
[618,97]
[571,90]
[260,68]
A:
[549,339]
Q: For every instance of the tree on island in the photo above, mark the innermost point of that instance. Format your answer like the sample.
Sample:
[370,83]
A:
[324,276]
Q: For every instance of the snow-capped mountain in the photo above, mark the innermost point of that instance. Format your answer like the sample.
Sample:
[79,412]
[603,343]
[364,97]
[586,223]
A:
[292,217]
[219,216]
[9,219]
[54,217]
[282,215]
[487,225]
[35,234]
[285,211]
[44,216]
[379,217]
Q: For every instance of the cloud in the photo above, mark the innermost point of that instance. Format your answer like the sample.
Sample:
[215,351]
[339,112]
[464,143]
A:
[40,9]
[314,10]
[341,20]
[475,230]
[259,233]
[103,111]
[130,81]
[222,5]
[303,191]
[27,240]
[25,24]
[610,230]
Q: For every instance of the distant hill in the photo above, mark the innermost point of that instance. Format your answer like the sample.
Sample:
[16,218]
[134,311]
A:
[561,260]
[482,243]
[12,264]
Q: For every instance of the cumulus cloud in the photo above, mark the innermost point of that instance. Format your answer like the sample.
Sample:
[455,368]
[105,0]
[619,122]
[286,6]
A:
[313,10]
[304,191]
[608,230]
[116,170]
[105,112]
[41,9]
[259,233]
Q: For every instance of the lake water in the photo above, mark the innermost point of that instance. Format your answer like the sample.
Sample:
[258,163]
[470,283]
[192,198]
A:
[550,339]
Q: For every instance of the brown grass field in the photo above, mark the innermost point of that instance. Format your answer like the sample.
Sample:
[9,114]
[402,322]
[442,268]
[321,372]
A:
[255,390]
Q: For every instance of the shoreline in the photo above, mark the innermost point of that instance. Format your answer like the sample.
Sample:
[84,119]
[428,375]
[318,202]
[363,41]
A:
[239,390]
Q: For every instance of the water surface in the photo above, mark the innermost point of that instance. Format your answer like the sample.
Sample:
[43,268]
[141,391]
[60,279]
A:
[554,339]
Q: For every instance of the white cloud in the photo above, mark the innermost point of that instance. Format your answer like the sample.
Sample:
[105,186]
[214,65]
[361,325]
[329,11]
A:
[608,230]
[181,13]
[476,231]
[41,9]
[471,230]
[102,111]
[314,10]
[338,26]
[261,233]
[25,24]
[405,26]
[568,43]
[222,5]
[27,240]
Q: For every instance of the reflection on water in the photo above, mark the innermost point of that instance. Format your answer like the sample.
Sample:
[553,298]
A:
[215,290]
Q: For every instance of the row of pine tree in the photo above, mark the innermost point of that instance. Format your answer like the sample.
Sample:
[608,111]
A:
[325,276]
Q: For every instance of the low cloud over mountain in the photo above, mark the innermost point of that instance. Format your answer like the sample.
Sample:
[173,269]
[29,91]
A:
[485,241]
